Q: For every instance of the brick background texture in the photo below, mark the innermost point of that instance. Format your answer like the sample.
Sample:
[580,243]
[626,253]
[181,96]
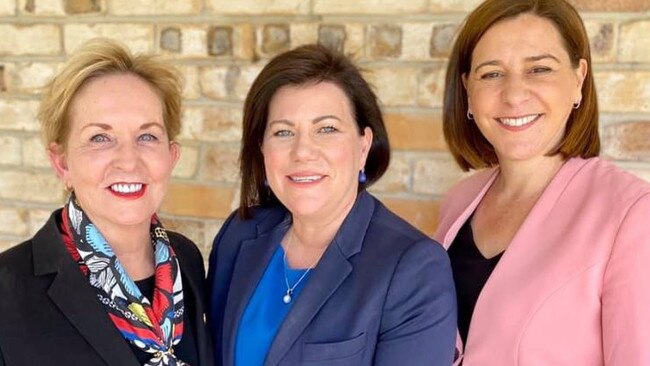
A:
[220,46]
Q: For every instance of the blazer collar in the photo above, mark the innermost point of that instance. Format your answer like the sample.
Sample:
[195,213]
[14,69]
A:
[74,297]
[332,269]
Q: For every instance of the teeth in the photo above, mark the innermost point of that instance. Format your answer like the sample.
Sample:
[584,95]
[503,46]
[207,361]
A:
[516,122]
[306,179]
[126,188]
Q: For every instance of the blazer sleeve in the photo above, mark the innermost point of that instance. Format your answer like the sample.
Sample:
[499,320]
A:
[2,359]
[626,291]
[418,325]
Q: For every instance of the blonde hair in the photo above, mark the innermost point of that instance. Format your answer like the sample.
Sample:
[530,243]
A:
[100,57]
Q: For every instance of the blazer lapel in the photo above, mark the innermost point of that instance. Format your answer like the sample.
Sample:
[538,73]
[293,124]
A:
[250,264]
[332,269]
[72,294]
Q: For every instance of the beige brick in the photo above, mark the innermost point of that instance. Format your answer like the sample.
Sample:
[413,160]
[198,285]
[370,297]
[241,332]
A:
[332,36]
[18,115]
[138,37]
[431,86]
[220,41]
[245,42]
[415,131]
[14,221]
[7,8]
[155,7]
[26,186]
[436,175]
[634,45]
[624,91]
[11,150]
[442,38]
[74,7]
[3,82]
[212,124]
[212,227]
[182,198]
[192,229]
[602,39]
[38,218]
[30,40]
[29,77]
[385,41]
[265,7]
[415,37]
[183,41]
[395,86]
[189,160]
[220,164]
[627,141]
[398,176]
[355,40]
[276,38]
[227,82]
[421,213]
[437,6]
[34,154]
[369,6]
[191,86]
[303,33]
[41,7]
[611,5]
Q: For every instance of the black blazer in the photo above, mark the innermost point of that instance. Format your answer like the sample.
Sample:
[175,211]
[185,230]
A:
[382,293]
[50,315]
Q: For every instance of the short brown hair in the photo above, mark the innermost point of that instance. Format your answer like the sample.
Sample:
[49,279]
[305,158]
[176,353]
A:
[304,65]
[100,57]
[468,146]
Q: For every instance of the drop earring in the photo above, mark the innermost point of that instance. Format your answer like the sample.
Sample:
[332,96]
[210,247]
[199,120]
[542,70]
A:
[362,177]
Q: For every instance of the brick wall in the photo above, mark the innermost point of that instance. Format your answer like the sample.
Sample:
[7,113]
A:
[221,45]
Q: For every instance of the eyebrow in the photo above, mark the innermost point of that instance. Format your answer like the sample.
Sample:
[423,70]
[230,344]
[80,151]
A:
[107,127]
[315,120]
[527,59]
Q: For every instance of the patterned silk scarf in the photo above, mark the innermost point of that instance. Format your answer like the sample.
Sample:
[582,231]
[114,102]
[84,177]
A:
[154,328]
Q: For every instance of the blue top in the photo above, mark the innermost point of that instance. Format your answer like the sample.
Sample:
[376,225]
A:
[266,311]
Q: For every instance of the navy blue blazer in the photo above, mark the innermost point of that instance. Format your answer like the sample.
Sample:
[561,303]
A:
[382,293]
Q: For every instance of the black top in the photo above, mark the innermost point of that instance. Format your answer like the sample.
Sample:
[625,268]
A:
[471,270]
[186,349]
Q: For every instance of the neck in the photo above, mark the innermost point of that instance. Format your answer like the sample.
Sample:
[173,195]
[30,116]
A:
[310,237]
[132,246]
[519,179]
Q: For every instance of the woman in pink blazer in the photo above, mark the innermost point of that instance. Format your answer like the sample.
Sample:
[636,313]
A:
[550,245]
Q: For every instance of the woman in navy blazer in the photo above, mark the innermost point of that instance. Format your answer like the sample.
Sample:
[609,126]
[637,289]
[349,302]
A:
[313,270]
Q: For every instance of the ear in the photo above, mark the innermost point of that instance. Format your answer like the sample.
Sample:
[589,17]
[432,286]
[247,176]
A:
[56,155]
[581,73]
[175,151]
[463,78]
[366,144]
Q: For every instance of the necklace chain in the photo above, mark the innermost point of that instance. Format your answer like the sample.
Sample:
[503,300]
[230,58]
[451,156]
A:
[288,295]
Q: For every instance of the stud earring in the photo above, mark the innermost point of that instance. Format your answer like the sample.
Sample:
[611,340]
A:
[266,183]
[576,105]
[362,177]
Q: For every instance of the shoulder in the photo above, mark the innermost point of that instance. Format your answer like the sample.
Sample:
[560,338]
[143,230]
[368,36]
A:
[16,260]
[184,247]
[262,219]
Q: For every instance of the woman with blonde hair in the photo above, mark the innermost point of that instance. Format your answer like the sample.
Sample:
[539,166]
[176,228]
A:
[102,282]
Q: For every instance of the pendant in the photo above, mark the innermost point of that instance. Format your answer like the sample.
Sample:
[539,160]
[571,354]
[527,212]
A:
[286,298]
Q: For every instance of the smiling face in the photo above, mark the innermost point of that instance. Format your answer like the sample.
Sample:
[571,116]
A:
[313,150]
[522,86]
[118,158]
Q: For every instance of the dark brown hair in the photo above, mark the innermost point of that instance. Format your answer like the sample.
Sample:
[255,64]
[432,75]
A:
[468,146]
[304,65]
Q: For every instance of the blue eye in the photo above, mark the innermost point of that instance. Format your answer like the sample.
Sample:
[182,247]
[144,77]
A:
[147,137]
[283,133]
[328,129]
[99,138]
[540,70]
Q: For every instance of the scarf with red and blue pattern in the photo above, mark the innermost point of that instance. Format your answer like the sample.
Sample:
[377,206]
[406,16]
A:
[152,326]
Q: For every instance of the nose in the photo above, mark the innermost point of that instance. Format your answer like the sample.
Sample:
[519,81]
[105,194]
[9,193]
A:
[303,147]
[515,90]
[127,157]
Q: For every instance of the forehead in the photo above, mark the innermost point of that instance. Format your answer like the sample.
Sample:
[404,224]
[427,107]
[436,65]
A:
[524,35]
[309,98]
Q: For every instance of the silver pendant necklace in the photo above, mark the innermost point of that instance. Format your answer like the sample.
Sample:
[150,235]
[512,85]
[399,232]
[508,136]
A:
[288,295]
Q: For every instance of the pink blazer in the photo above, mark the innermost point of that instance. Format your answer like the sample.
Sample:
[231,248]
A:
[573,287]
